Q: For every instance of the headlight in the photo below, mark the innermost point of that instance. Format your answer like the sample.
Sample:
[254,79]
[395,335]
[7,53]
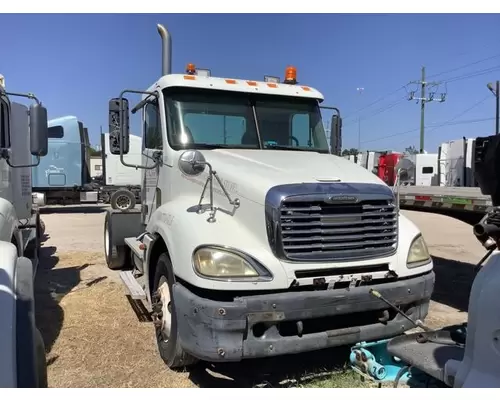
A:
[418,254]
[213,262]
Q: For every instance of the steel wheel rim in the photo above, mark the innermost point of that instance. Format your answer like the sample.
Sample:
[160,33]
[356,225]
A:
[123,202]
[166,317]
[106,241]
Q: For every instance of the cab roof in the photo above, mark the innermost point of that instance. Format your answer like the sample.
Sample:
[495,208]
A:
[236,85]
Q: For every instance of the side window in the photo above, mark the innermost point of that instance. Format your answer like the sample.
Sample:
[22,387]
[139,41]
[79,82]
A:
[56,132]
[215,129]
[427,170]
[4,125]
[300,131]
[152,127]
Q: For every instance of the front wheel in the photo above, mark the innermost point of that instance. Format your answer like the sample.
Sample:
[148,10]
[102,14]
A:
[165,317]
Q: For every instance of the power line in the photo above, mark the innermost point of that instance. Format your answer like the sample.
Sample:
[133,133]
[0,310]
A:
[463,122]
[472,74]
[463,112]
[380,110]
[464,66]
[373,103]
[467,75]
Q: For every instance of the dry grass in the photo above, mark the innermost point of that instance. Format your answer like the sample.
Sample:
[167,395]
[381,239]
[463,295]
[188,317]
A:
[93,337]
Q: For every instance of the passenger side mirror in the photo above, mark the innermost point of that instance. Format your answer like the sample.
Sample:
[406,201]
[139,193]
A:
[119,130]
[39,130]
[336,135]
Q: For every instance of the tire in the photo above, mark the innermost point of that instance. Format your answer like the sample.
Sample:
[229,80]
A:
[41,362]
[123,200]
[117,257]
[170,350]
[42,228]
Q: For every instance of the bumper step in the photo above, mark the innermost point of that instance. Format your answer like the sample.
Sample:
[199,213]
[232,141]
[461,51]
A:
[134,244]
[135,290]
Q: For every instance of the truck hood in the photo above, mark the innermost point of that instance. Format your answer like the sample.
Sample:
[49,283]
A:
[251,173]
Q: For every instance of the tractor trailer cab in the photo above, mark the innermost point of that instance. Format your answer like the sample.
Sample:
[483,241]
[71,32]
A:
[254,238]
[23,131]
[63,176]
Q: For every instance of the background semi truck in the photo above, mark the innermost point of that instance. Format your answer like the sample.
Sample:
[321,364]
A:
[119,185]
[23,131]
[63,176]
[253,239]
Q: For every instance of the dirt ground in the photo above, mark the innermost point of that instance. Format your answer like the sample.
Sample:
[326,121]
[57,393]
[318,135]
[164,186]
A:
[94,338]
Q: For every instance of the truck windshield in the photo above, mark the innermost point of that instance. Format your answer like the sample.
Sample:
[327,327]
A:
[207,119]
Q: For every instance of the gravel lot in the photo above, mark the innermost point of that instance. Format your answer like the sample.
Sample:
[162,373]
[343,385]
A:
[94,338]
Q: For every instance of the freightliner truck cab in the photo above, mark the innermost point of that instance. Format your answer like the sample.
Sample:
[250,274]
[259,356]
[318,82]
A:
[253,238]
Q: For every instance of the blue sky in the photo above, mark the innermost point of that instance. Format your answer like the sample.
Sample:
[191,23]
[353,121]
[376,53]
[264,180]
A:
[76,63]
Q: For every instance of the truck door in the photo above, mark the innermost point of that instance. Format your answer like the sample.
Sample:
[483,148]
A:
[151,143]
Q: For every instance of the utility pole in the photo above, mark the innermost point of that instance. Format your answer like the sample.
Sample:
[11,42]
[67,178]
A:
[496,92]
[360,90]
[423,99]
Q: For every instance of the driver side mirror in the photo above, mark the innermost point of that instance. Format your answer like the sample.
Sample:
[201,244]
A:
[39,130]
[336,135]
[119,131]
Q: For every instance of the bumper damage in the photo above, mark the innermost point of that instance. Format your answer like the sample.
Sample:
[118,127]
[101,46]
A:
[294,322]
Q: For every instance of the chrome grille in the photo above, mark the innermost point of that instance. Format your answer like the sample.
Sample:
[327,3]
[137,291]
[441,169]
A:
[317,230]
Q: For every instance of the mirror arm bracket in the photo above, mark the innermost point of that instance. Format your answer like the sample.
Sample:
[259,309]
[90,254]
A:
[27,96]
[209,183]
[5,154]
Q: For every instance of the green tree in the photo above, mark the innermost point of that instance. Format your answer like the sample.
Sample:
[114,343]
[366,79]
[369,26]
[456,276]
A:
[411,150]
[94,152]
[350,152]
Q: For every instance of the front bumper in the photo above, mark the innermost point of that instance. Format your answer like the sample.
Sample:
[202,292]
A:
[270,324]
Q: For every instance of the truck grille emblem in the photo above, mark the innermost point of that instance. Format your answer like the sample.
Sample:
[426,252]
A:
[342,199]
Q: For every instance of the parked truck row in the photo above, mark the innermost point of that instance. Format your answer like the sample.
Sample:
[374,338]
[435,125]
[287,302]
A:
[440,181]
[23,135]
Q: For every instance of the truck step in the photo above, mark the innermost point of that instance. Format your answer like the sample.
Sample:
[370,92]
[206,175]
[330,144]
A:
[134,244]
[135,290]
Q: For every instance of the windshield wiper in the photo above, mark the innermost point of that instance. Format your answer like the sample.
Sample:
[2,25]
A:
[293,148]
[209,146]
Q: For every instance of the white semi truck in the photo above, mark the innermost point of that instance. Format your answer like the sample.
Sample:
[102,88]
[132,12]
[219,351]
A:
[120,186]
[254,239]
[23,132]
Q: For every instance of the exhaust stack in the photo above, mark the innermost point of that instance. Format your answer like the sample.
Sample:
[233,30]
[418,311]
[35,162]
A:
[166,46]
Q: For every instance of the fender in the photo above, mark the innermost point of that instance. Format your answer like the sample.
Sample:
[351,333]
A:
[8,220]
[8,365]
[20,365]
[26,332]
[183,230]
